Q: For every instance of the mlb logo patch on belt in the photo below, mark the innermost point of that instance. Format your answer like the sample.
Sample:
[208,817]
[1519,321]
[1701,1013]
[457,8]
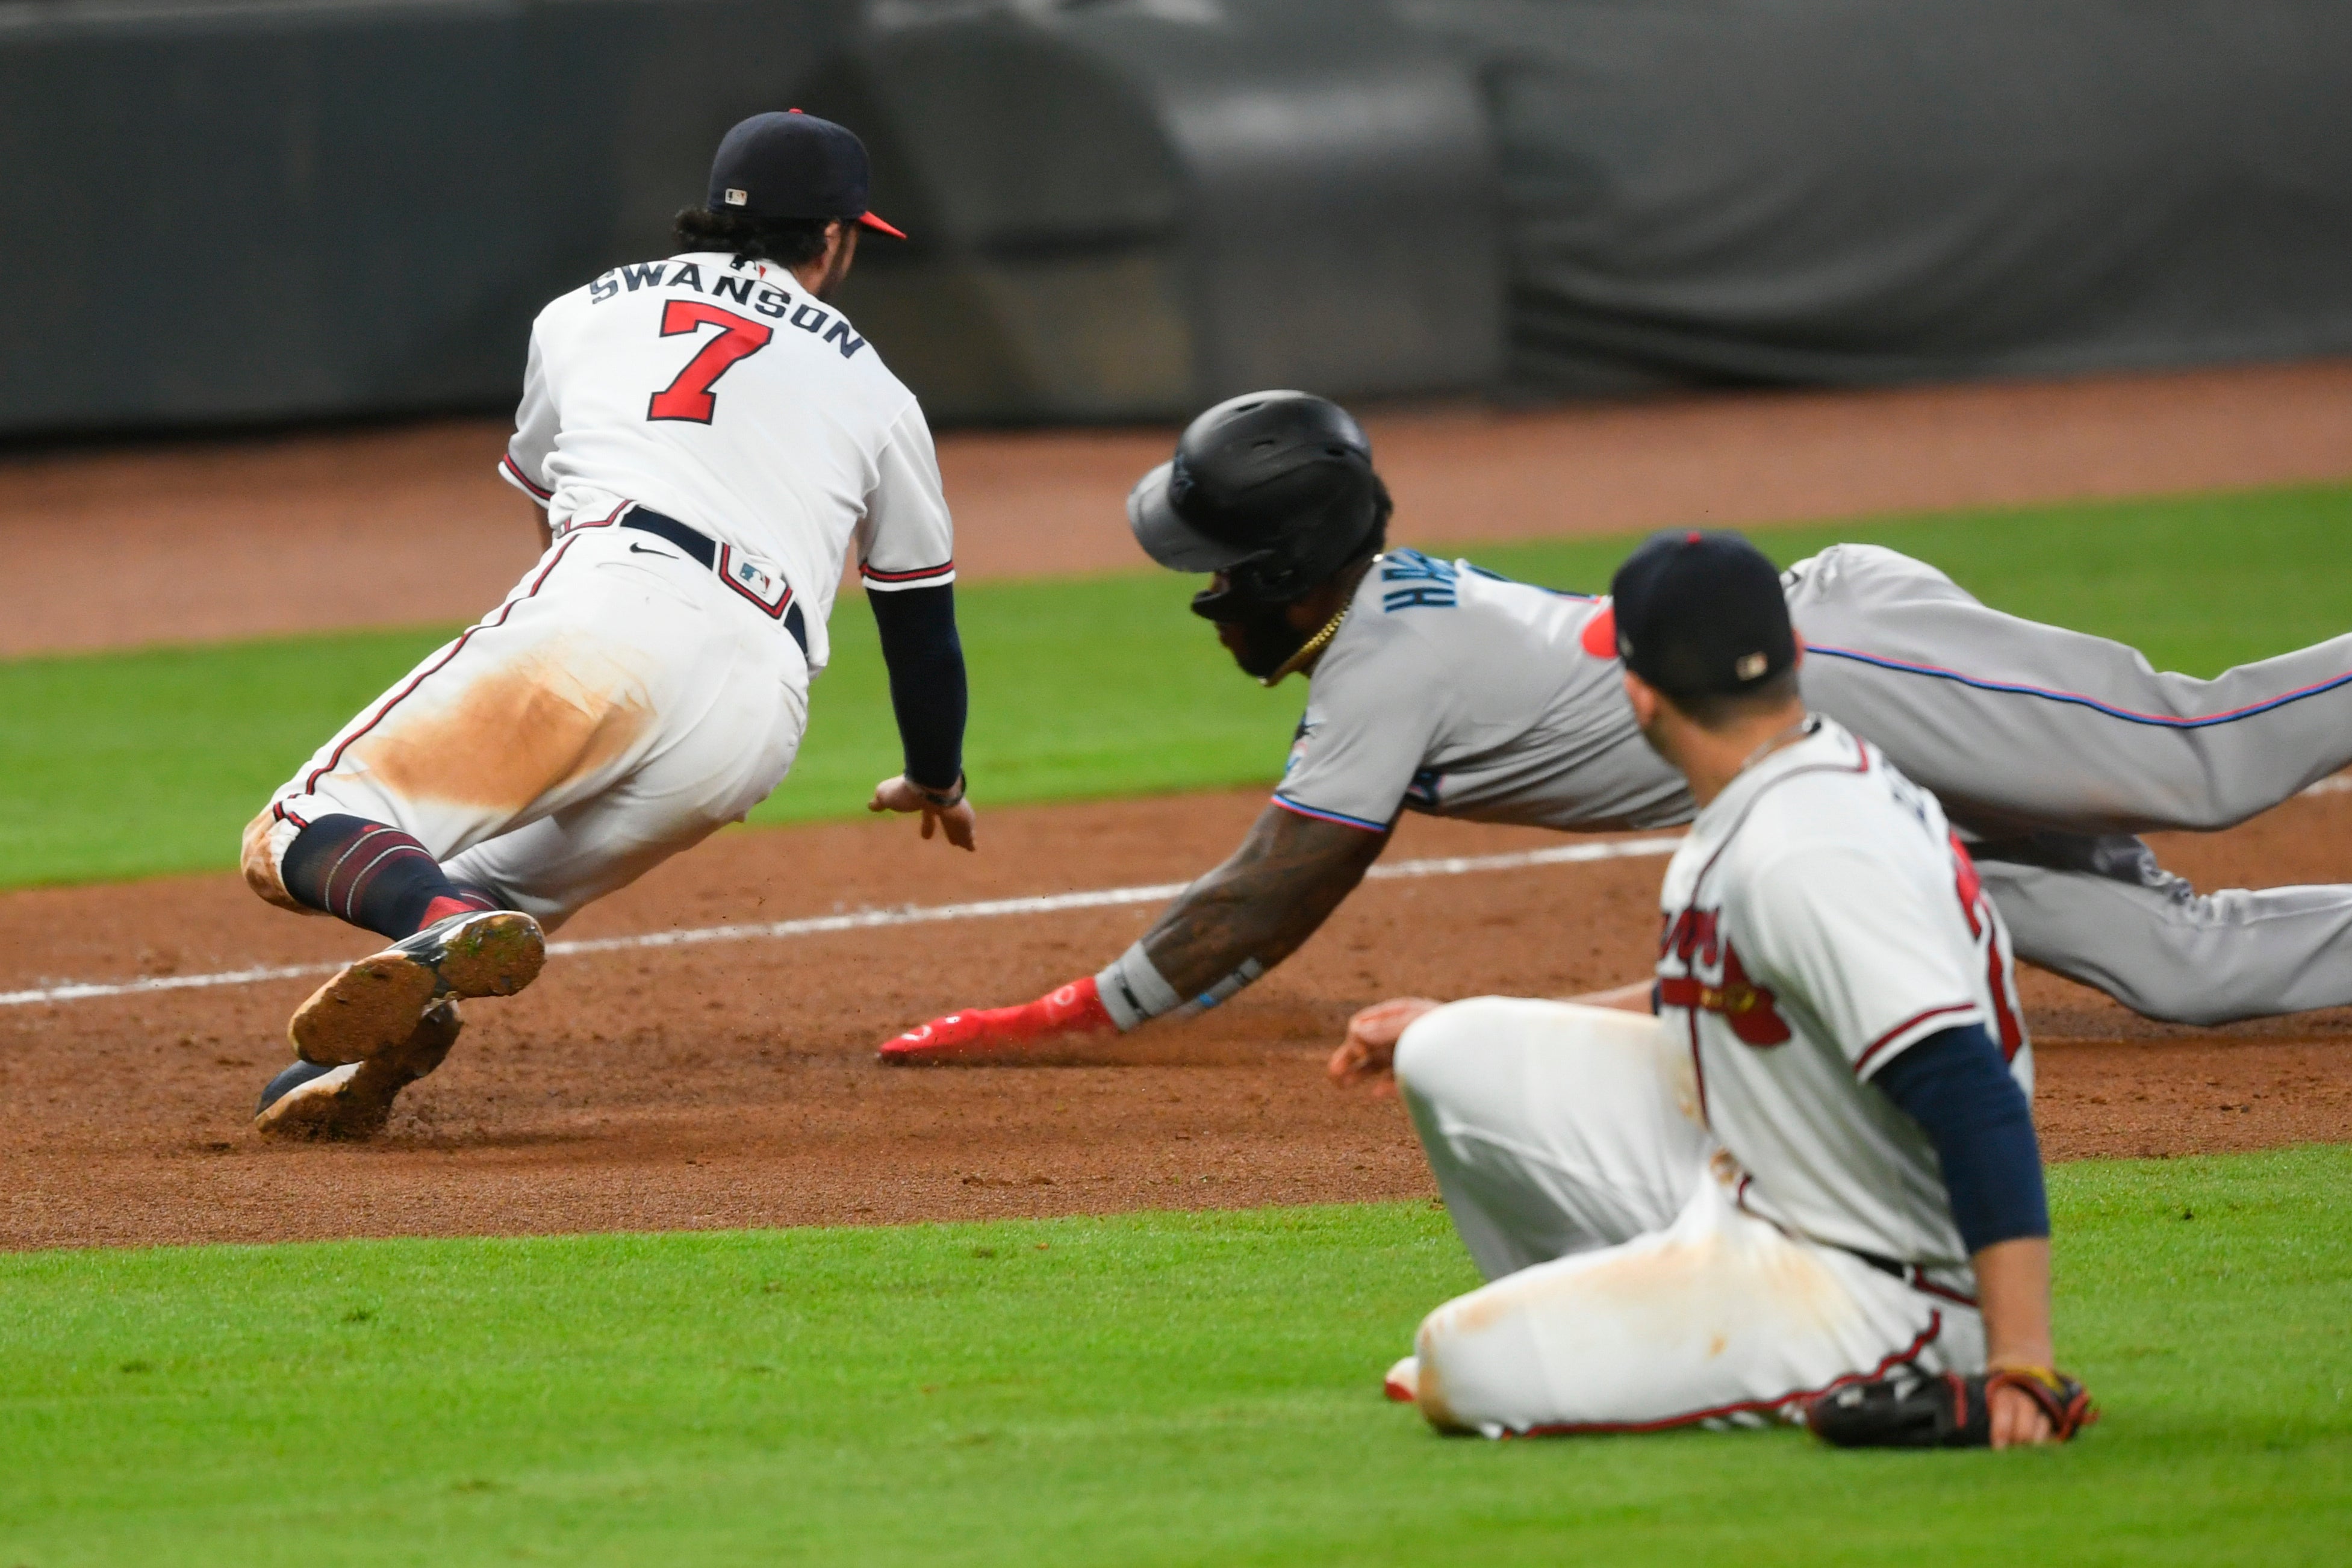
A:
[756,583]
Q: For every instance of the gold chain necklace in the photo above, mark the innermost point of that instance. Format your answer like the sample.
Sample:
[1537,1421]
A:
[1310,648]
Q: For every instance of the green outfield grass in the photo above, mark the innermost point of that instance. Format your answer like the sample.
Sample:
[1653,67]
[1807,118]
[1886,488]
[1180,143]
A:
[1154,1389]
[128,764]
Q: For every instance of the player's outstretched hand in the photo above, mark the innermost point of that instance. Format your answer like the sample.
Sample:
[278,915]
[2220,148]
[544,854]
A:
[1066,1013]
[1369,1049]
[902,794]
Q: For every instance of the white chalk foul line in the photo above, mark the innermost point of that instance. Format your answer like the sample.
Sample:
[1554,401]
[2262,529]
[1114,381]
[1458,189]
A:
[869,920]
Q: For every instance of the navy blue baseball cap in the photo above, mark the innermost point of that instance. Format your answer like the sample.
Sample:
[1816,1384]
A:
[794,165]
[1702,614]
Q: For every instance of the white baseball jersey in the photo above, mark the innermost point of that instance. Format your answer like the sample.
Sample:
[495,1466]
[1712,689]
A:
[720,394]
[624,701]
[1450,690]
[1820,920]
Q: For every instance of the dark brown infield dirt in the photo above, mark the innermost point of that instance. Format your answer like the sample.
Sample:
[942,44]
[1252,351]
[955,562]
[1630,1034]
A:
[734,1084]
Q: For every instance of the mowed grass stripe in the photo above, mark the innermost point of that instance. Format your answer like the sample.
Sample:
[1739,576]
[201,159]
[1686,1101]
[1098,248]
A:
[122,765]
[1156,1388]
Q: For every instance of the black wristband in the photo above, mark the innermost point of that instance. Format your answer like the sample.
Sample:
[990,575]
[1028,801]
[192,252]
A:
[941,798]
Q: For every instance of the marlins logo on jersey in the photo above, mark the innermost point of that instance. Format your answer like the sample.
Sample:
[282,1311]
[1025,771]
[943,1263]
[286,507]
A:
[1429,697]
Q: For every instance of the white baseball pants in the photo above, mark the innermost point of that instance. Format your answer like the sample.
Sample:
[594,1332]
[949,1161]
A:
[620,706]
[1628,1293]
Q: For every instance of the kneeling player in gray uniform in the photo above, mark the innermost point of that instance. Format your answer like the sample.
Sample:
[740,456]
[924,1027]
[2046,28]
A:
[1808,1185]
[1443,688]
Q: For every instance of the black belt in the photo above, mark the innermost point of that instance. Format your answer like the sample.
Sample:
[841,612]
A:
[704,549]
[1877,1260]
[1910,1274]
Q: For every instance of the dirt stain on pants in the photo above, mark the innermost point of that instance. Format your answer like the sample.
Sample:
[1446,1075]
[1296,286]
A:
[517,734]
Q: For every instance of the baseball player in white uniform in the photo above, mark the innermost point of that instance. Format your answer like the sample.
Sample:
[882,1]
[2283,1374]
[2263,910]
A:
[1441,688]
[1815,1166]
[710,437]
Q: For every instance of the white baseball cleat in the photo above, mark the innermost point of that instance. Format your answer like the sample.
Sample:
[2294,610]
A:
[354,1100]
[1403,1381]
[372,1006]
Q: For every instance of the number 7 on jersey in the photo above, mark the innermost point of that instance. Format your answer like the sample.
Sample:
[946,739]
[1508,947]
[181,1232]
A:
[689,397]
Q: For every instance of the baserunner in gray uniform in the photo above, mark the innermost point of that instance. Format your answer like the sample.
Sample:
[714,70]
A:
[1440,687]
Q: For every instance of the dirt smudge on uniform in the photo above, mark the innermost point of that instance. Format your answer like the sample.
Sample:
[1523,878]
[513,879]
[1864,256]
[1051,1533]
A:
[1430,1392]
[559,712]
[1657,1276]
[1671,1288]
[258,862]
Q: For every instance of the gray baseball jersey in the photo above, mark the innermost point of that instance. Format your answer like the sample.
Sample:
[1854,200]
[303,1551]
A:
[1452,690]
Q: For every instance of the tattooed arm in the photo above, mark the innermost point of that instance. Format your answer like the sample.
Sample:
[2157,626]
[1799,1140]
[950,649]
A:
[1263,902]
[1223,932]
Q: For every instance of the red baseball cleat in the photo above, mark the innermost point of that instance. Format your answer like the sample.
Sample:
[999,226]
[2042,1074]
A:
[980,1033]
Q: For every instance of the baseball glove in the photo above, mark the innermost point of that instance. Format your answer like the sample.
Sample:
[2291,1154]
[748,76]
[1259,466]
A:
[1912,1411]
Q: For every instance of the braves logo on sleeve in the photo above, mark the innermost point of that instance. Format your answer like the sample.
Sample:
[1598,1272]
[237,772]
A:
[1715,981]
[1818,921]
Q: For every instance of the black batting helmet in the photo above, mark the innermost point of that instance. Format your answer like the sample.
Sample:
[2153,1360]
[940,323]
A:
[1273,489]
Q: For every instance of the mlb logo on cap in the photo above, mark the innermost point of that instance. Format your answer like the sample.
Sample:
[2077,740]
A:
[794,165]
[1701,613]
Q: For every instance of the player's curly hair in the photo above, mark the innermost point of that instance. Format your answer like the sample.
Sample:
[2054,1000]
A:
[790,241]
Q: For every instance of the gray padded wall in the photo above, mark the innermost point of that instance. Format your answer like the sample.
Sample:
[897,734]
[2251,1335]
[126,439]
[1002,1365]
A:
[241,210]
[287,209]
[1130,210]
[270,211]
[1891,190]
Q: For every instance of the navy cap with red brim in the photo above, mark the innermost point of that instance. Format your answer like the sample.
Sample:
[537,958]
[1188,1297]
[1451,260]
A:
[794,165]
[1698,612]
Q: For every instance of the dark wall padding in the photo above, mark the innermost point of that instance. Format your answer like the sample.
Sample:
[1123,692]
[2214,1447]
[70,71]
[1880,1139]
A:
[275,211]
[1130,210]
[241,210]
[1884,190]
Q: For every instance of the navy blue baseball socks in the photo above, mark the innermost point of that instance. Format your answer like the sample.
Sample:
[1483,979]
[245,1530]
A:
[794,165]
[1702,614]
[374,1005]
[375,877]
[312,1099]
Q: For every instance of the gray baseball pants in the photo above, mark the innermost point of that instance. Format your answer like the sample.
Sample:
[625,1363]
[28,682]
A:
[2051,749]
